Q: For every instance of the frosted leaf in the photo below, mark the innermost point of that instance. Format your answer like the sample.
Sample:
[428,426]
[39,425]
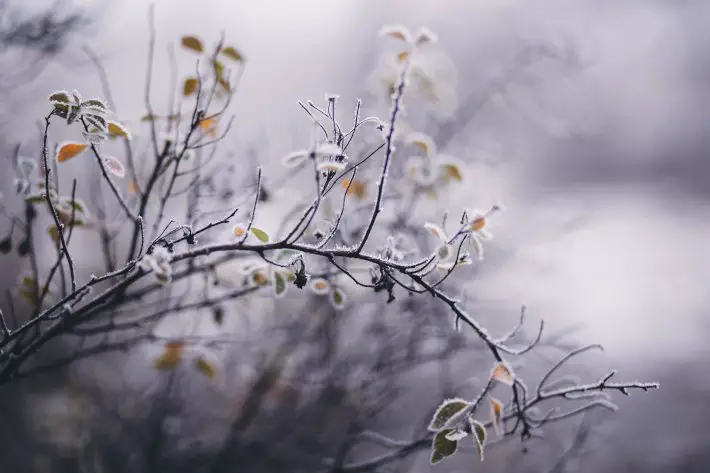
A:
[295,158]
[422,141]
[442,447]
[398,32]
[68,150]
[328,149]
[114,166]
[330,166]
[436,230]
[503,373]
[446,411]
[444,252]
[206,367]
[61,96]
[95,138]
[115,129]
[425,35]
[95,104]
[456,435]
[479,434]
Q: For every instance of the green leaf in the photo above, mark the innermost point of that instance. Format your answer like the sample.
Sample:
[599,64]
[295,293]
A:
[442,447]
[95,104]
[260,234]
[338,298]
[448,409]
[193,43]
[61,110]
[96,121]
[35,198]
[479,434]
[61,96]
[280,285]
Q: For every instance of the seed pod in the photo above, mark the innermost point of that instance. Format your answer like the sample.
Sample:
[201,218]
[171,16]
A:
[6,245]
[24,248]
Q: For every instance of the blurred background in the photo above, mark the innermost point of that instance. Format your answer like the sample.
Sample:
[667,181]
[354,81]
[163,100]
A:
[587,120]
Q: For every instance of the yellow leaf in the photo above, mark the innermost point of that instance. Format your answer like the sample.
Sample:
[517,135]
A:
[68,150]
[150,118]
[171,356]
[403,56]
[502,372]
[206,368]
[453,172]
[132,187]
[116,129]
[189,87]
[232,53]
[193,43]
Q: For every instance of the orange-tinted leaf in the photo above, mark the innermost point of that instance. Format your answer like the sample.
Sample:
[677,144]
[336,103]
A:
[232,53]
[132,187]
[503,373]
[66,151]
[403,56]
[209,126]
[189,87]
[171,356]
[357,188]
[193,43]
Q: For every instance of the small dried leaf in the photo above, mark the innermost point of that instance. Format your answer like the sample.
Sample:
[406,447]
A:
[425,35]
[193,43]
[171,356]
[478,224]
[445,412]
[53,233]
[320,286]
[189,87]
[114,166]
[239,230]
[442,447]
[209,126]
[132,187]
[397,32]
[260,234]
[497,415]
[150,118]
[423,142]
[206,368]
[66,151]
[232,53]
[338,298]
[403,56]
[503,373]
